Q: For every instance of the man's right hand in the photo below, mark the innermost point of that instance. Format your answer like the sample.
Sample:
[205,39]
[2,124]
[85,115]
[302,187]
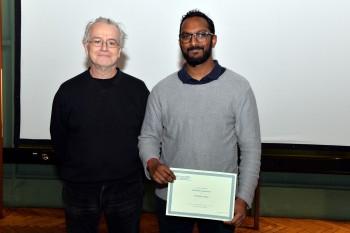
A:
[160,173]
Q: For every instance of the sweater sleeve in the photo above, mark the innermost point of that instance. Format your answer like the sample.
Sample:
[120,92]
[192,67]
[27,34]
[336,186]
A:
[249,141]
[150,137]
[57,128]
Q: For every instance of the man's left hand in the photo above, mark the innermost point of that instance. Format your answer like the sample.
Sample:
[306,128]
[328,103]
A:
[240,213]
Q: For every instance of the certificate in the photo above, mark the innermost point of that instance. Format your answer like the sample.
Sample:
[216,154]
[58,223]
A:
[202,194]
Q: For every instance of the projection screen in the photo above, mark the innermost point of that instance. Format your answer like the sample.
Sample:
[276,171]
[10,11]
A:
[295,54]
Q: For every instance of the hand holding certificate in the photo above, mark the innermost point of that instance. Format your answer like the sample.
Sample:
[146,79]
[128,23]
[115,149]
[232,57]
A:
[202,194]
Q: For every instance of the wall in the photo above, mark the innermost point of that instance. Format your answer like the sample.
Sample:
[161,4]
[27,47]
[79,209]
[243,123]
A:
[282,194]
[8,51]
[294,195]
[288,50]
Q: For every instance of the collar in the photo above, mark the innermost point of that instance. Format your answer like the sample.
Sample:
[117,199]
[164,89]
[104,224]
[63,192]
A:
[216,72]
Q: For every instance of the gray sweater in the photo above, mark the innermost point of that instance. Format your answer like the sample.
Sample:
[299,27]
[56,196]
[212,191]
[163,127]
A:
[199,127]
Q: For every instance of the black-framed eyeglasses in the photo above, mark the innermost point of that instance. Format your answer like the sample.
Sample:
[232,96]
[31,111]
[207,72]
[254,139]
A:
[199,36]
[99,43]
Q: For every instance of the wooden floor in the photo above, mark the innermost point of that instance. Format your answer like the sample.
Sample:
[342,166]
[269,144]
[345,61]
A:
[42,220]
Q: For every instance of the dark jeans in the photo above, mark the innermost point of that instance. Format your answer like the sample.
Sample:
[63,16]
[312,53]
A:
[171,224]
[121,205]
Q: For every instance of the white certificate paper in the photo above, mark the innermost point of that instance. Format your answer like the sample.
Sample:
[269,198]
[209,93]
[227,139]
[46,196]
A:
[202,194]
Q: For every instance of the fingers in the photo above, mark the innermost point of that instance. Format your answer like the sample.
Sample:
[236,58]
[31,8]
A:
[161,174]
[240,221]
[237,221]
[240,213]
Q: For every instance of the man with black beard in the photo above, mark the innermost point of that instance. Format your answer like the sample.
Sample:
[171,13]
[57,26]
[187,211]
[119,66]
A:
[195,119]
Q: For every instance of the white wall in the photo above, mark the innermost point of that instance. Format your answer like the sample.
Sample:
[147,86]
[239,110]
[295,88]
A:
[295,53]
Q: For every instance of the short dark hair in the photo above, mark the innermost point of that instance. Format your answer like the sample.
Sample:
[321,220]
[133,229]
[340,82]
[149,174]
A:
[197,13]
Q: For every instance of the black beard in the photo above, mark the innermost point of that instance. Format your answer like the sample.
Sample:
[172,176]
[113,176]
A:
[197,61]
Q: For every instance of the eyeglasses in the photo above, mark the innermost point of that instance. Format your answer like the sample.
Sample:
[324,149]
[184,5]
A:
[199,36]
[99,43]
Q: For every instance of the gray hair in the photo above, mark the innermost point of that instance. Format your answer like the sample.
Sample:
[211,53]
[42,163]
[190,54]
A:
[122,35]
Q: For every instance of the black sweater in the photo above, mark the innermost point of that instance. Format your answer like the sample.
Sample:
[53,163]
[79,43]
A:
[95,129]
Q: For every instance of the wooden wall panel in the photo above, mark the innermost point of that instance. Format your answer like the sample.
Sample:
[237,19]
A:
[1,165]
